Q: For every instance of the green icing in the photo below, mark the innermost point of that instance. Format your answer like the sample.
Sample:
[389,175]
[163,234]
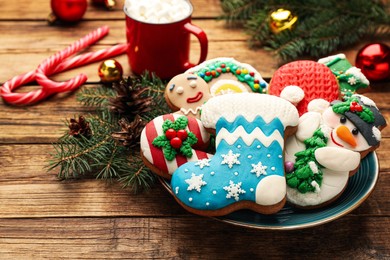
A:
[215,69]
[366,114]
[303,176]
[348,83]
[164,143]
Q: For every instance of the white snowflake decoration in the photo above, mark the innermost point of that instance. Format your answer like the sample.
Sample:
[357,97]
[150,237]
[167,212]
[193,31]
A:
[352,81]
[195,182]
[230,159]
[203,163]
[259,169]
[234,190]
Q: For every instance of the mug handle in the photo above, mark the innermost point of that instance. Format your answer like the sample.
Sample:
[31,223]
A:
[202,37]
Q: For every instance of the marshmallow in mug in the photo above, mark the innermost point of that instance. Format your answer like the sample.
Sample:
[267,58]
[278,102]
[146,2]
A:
[157,11]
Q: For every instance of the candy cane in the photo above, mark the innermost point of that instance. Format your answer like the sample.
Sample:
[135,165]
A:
[50,63]
[37,95]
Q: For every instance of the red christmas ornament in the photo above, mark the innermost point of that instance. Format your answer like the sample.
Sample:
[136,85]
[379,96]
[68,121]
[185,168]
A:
[68,10]
[374,61]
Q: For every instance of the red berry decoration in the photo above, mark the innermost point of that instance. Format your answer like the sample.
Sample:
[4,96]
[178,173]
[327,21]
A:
[69,10]
[170,134]
[374,61]
[182,134]
[176,142]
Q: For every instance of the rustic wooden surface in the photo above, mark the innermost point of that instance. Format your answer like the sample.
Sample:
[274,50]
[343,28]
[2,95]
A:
[42,217]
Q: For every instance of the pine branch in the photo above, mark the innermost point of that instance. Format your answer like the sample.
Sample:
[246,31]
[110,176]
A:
[322,27]
[95,97]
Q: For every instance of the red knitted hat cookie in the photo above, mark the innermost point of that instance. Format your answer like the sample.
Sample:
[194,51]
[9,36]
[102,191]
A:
[315,79]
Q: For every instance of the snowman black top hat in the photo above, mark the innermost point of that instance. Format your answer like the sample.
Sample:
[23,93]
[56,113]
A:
[364,114]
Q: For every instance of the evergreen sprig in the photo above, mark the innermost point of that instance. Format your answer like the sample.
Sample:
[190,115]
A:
[100,154]
[322,28]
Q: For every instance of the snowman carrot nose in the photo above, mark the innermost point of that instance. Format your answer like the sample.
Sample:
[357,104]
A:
[344,134]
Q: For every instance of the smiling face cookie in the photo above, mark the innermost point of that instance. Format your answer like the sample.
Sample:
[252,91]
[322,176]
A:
[187,93]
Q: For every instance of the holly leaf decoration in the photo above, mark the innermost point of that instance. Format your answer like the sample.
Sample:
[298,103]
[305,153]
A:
[169,152]
[180,123]
[160,141]
[171,142]
[167,125]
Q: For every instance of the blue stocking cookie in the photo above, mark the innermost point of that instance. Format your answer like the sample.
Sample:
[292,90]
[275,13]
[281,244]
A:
[247,170]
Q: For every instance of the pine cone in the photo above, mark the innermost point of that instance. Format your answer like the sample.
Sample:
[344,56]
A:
[130,133]
[132,98]
[80,127]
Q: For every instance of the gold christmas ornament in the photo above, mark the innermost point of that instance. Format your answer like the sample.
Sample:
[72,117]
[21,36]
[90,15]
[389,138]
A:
[281,20]
[110,71]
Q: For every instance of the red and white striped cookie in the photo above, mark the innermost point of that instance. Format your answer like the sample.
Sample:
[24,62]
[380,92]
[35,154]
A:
[153,156]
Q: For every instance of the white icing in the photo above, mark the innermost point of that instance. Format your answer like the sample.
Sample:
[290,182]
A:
[177,190]
[366,101]
[195,182]
[357,73]
[230,158]
[294,94]
[318,105]
[250,105]
[259,169]
[308,123]
[337,159]
[352,81]
[376,133]
[190,110]
[316,186]
[248,138]
[203,163]
[234,190]
[330,58]
[271,190]
[313,167]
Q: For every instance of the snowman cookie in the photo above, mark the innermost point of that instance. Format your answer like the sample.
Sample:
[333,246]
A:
[315,80]
[227,75]
[327,149]
[247,170]
[171,140]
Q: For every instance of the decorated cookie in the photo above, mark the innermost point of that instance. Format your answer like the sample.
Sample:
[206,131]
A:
[315,80]
[187,93]
[227,75]
[351,79]
[328,147]
[247,170]
[171,140]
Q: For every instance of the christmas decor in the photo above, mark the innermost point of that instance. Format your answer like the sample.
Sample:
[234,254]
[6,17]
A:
[281,20]
[67,10]
[111,150]
[322,28]
[110,71]
[176,139]
[374,61]
[55,65]
[79,127]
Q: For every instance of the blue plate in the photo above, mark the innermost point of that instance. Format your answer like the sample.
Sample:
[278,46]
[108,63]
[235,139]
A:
[359,188]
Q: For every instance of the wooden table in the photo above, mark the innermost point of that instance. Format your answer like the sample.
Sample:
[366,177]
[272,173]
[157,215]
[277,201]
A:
[42,217]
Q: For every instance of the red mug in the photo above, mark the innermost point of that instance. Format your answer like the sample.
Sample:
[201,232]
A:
[162,48]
